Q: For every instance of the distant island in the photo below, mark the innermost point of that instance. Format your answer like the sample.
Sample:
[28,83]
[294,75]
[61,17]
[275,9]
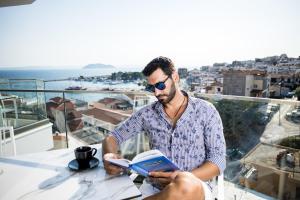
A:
[98,66]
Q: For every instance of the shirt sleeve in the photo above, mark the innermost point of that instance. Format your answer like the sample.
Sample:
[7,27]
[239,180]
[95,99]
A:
[129,128]
[214,139]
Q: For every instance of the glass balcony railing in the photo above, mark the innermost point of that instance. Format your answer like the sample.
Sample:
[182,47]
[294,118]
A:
[262,135]
[21,108]
[263,143]
[77,117]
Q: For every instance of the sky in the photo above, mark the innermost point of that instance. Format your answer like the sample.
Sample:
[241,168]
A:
[127,33]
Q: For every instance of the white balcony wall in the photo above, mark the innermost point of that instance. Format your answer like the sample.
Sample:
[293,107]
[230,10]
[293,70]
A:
[98,123]
[34,140]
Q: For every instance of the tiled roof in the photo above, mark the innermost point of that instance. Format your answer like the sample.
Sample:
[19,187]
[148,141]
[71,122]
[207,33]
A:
[58,104]
[105,115]
[75,124]
[58,100]
[111,101]
[69,106]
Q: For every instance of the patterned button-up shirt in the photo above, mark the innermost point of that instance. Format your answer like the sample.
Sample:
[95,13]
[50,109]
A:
[196,138]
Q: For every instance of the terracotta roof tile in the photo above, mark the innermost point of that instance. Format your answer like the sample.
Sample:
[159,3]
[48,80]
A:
[105,115]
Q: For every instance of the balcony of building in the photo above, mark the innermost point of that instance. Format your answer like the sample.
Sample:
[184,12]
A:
[262,138]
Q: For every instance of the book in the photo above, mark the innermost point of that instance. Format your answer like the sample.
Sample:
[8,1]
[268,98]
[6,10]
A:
[146,162]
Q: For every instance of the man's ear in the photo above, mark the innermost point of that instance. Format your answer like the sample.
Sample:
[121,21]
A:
[175,77]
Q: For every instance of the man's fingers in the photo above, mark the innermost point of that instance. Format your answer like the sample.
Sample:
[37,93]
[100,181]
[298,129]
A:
[111,155]
[119,156]
[163,180]
[114,170]
[110,168]
[160,180]
[174,174]
[160,174]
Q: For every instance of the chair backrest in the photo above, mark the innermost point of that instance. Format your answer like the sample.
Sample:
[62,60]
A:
[1,117]
[4,140]
[218,190]
[220,184]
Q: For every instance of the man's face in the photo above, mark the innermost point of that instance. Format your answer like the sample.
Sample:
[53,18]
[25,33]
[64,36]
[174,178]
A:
[166,95]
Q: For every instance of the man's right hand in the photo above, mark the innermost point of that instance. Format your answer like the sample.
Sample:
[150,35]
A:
[110,168]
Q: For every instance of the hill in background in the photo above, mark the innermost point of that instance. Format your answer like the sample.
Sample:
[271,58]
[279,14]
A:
[98,66]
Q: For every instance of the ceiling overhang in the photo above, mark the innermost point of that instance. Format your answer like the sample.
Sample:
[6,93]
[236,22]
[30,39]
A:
[6,3]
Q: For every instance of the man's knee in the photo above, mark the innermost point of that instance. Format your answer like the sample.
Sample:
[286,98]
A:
[186,186]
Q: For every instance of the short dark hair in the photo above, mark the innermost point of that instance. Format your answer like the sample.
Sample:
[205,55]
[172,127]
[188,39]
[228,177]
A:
[164,63]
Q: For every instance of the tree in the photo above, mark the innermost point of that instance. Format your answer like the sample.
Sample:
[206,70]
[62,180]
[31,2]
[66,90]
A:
[297,93]
[241,123]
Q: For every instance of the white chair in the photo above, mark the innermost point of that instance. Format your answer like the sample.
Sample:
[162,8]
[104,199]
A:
[4,141]
[220,187]
[2,122]
[4,109]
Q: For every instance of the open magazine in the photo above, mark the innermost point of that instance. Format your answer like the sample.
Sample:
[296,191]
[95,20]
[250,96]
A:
[146,162]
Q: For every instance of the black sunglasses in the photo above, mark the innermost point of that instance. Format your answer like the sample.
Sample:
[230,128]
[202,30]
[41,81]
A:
[159,85]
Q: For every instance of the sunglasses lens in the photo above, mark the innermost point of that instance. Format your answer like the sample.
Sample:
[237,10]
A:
[160,86]
[150,88]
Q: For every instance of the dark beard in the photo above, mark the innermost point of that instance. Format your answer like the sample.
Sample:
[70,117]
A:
[170,96]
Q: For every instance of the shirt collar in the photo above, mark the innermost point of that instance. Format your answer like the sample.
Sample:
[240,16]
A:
[190,108]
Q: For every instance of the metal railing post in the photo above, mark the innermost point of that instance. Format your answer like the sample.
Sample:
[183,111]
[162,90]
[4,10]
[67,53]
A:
[65,111]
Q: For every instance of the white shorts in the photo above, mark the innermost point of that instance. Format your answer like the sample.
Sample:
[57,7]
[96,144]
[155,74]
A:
[147,190]
[207,191]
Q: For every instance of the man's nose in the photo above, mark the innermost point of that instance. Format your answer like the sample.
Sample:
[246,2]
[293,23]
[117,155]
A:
[157,92]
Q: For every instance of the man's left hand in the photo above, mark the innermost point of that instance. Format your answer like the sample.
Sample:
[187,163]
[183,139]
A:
[162,179]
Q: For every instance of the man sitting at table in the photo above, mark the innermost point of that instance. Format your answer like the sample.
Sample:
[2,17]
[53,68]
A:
[187,130]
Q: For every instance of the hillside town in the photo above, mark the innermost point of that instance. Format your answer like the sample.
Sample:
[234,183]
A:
[273,77]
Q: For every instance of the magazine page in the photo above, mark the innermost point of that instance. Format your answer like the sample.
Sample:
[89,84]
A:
[119,162]
[147,155]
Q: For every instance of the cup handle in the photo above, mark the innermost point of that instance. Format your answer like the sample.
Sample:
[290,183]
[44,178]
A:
[95,151]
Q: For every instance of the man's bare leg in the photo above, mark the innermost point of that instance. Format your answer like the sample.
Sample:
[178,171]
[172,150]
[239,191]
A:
[184,187]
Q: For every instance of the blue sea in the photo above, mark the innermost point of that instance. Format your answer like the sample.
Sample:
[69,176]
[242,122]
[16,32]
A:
[55,74]
[52,74]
